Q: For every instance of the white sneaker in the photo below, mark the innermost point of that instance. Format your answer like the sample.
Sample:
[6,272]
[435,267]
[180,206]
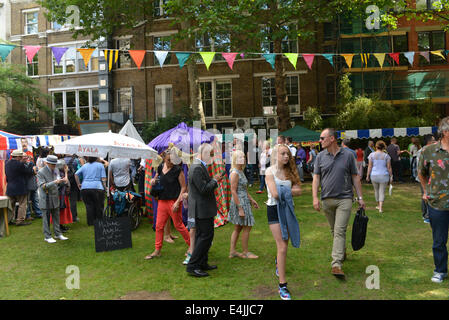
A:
[50,240]
[61,237]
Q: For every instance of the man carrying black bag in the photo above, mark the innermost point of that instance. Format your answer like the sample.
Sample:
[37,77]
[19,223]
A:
[336,172]
[359,230]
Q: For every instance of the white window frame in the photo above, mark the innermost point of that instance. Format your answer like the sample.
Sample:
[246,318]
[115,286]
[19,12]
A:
[160,8]
[36,56]
[118,106]
[164,104]
[218,56]
[78,58]
[298,106]
[169,58]
[25,20]
[123,53]
[271,44]
[214,98]
[77,106]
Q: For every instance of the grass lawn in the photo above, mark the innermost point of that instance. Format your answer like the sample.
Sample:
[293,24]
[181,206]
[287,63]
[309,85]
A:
[398,243]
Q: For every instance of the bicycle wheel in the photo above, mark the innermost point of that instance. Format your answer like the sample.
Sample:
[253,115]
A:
[134,213]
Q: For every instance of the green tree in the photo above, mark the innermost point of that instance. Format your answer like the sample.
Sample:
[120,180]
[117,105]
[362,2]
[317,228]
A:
[16,85]
[313,119]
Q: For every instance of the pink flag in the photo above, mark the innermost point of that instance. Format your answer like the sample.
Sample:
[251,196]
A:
[308,58]
[230,58]
[31,51]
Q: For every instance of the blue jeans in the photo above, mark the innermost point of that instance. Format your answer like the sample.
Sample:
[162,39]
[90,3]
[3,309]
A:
[300,171]
[439,221]
[33,202]
[262,182]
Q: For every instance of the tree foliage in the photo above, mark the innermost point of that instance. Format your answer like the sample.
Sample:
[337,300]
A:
[16,85]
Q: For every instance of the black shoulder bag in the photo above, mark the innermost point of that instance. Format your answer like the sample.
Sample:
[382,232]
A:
[359,228]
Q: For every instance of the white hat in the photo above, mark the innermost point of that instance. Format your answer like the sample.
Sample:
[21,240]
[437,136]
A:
[51,159]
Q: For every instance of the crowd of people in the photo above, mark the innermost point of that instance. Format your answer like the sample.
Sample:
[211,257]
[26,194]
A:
[53,184]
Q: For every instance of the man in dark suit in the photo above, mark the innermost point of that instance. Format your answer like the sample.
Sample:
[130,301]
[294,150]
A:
[203,204]
[17,172]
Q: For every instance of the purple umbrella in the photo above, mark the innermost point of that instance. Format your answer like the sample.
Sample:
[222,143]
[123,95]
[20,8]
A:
[183,137]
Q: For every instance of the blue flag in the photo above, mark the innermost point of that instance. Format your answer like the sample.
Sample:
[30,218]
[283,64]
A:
[270,57]
[329,57]
[182,58]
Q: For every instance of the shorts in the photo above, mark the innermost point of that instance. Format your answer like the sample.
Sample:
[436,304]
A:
[190,223]
[272,214]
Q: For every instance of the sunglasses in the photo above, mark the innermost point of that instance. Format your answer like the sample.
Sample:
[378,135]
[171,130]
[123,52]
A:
[322,138]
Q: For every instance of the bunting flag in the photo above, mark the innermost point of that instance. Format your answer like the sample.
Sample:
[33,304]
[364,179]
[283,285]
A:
[86,54]
[364,57]
[182,58]
[230,58]
[31,51]
[161,56]
[380,58]
[242,55]
[208,57]
[445,52]
[329,57]
[438,53]
[111,57]
[308,58]
[271,58]
[348,57]
[292,57]
[410,56]
[137,56]
[5,49]
[395,56]
[58,52]
[425,54]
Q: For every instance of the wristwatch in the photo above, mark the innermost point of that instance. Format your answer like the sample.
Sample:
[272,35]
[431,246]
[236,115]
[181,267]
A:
[359,198]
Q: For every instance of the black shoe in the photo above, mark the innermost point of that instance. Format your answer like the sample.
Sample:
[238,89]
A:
[198,273]
[209,267]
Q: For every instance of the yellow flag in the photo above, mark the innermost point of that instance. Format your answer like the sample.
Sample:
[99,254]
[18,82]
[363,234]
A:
[438,53]
[86,54]
[111,57]
[380,57]
[348,57]
[364,57]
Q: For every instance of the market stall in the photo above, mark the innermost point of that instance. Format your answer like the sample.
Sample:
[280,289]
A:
[386,132]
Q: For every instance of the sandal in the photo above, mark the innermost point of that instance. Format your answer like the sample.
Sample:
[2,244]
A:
[236,254]
[152,256]
[173,237]
[250,255]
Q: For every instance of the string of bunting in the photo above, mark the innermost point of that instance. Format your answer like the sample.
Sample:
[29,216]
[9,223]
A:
[111,56]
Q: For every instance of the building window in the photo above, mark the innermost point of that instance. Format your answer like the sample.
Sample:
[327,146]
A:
[428,4]
[123,100]
[431,41]
[216,97]
[31,22]
[124,59]
[218,43]
[158,8]
[269,100]
[32,68]
[162,44]
[163,96]
[72,62]
[288,45]
[72,105]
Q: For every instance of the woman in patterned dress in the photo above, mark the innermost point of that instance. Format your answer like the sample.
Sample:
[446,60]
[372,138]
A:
[240,213]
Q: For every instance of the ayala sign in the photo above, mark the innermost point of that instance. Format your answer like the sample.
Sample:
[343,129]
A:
[92,150]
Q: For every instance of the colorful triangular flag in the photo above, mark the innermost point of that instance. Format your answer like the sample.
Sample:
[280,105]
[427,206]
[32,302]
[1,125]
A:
[438,53]
[348,58]
[380,58]
[31,51]
[230,58]
[425,54]
[161,56]
[5,49]
[137,56]
[329,57]
[182,58]
[58,52]
[410,55]
[364,57]
[271,58]
[111,57]
[308,58]
[292,57]
[208,57]
[86,53]
[395,56]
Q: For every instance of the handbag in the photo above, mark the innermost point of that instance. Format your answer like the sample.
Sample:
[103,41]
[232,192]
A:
[359,230]
[157,188]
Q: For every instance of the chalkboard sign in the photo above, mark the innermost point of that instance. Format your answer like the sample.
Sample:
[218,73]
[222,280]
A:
[112,234]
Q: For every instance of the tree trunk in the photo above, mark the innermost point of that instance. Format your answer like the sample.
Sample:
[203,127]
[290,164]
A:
[194,87]
[282,109]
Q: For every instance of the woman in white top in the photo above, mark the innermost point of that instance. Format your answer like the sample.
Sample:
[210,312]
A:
[264,161]
[379,170]
[281,171]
